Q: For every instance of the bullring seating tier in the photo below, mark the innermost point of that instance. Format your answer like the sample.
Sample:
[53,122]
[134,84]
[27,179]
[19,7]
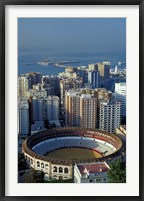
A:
[39,144]
[65,142]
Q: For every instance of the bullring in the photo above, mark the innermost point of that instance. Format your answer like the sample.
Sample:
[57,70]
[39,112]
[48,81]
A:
[37,147]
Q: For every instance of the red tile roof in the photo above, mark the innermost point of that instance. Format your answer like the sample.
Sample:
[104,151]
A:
[93,168]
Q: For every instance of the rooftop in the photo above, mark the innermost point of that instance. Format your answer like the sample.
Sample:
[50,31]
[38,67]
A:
[93,168]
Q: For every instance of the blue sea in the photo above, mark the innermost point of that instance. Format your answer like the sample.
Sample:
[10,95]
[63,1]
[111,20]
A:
[27,61]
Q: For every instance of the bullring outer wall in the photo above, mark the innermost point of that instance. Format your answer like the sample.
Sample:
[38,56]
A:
[65,167]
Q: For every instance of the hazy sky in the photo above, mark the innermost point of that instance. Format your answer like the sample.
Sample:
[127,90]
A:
[103,35]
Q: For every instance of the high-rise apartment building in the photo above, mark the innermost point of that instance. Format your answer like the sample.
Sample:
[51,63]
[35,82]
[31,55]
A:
[72,108]
[109,115]
[92,67]
[24,84]
[82,73]
[101,94]
[81,109]
[52,85]
[94,78]
[120,95]
[45,108]
[88,111]
[53,108]
[34,109]
[38,109]
[23,117]
[67,84]
[104,69]
[36,78]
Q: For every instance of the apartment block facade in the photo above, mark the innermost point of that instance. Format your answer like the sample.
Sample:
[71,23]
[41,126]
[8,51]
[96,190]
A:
[120,95]
[81,110]
[23,117]
[44,109]
[109,115]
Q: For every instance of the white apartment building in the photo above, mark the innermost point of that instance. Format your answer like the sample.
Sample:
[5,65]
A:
[23,117]
[109,115]
[91,173]
[120,95]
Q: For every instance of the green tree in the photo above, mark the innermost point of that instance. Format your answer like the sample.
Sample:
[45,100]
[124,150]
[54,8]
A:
[34,176]
[117,172]
[21,162]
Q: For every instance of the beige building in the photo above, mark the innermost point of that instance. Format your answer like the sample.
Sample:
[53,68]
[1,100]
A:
[24,84]
[81,109]
[36,93]
[121,130]
[88,111]
[72,107]
[92,67]
[69,73]
[67,84]
[104,69]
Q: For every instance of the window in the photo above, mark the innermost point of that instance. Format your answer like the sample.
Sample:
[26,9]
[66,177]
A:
[38,164]
[46,166]
[60,170]
[31,161]
[55,169]
[42,165]
[66,170]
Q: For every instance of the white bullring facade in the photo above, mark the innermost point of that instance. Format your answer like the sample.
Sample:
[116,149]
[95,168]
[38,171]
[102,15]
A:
[36,147]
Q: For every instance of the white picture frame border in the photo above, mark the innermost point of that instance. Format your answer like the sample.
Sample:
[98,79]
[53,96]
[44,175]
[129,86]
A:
[131,13]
